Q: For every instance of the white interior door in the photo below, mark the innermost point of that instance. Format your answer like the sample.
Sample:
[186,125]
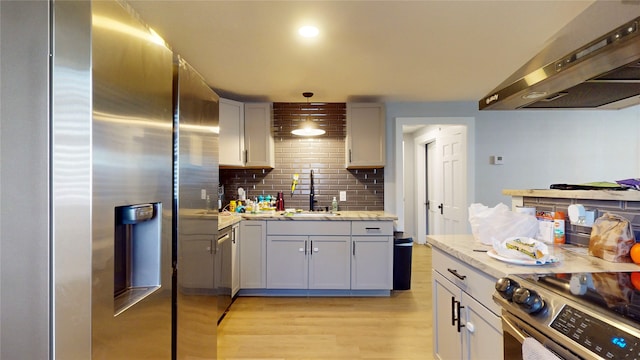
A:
[431,205]
[453,164]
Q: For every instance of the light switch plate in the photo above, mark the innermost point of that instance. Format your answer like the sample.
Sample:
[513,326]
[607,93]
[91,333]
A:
[343,196]
[203,194]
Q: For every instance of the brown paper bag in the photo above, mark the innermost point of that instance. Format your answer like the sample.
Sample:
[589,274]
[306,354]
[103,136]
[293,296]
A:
[611,238]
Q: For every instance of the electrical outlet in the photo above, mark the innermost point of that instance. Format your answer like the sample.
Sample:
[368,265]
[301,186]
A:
[203,194]
[343,196]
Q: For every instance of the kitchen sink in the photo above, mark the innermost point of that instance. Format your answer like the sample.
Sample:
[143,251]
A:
[313,214]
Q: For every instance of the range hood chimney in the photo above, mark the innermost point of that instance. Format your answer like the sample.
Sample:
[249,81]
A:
[592,63]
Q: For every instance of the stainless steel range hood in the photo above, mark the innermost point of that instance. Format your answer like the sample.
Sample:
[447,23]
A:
[592,63]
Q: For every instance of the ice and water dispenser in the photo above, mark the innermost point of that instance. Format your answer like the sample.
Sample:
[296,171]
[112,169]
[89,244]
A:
[137,253]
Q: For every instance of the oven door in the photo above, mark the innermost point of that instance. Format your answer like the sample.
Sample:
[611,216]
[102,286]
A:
[515,331]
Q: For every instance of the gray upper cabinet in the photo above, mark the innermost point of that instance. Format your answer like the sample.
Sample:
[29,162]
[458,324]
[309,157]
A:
[232,149]
[246,137]
[258,135]
[365,143]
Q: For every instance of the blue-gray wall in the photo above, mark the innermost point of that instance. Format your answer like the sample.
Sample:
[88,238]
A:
[539,147]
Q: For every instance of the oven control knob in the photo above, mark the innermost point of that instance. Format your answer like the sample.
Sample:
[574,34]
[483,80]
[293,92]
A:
[506,287]
[528,300]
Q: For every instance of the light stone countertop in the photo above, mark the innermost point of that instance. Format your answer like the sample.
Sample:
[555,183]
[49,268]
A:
[227,219]
[572,259]
[337,216]
[627,195]
[224,219]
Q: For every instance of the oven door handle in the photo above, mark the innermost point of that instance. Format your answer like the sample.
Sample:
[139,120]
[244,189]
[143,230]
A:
[521,331]
[513,329]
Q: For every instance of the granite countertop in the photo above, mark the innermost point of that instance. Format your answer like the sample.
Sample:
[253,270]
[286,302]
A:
[628,195]
[227,219]
[572,259]
[339,216]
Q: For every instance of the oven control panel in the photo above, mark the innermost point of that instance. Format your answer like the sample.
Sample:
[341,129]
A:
[603,339]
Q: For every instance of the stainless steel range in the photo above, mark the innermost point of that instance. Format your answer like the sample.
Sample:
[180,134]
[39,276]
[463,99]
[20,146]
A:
[575,316]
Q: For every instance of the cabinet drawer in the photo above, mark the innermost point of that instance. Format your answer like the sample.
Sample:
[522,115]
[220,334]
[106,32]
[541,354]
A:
[372,228]
[297,227]
[471,280]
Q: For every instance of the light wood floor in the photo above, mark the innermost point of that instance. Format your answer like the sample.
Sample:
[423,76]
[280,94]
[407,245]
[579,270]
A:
[397,327]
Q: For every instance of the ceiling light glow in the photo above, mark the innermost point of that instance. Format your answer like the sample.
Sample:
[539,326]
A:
[309,31]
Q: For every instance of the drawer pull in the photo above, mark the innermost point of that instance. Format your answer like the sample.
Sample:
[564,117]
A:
[455,273]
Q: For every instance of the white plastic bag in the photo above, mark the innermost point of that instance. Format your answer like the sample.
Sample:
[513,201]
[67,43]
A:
[500,223]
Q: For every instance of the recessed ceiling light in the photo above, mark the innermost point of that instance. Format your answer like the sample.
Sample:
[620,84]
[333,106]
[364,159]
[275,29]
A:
[309,31]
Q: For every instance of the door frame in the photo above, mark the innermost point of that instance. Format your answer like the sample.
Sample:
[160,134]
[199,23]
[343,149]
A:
[398,166]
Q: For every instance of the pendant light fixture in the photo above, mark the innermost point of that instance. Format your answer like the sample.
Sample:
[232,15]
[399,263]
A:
[308,127]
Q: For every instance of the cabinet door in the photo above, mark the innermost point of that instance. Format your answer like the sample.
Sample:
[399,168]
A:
[371,263]
[235,260]
[482,334]
[287,263]
[447,341]
[329,262]
[231,133]
[365,143]
[253,252]
[198,272]
[258,135]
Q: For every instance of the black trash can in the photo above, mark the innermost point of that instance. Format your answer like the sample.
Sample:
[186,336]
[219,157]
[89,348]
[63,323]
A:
[402,250]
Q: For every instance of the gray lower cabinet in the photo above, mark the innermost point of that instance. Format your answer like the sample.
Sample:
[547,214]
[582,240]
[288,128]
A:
[329,262]
[372,255]
[466,324]
[371,267]
[235,259]
[308,262]
[253,254]
[315,255]
[308,255]
[198,272]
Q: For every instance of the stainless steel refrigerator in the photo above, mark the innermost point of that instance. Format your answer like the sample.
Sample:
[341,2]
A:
[109,149]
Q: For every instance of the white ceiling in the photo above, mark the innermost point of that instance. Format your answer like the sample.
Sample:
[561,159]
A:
[367,50]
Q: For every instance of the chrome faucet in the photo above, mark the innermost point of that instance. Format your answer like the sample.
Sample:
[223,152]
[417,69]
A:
[312,200]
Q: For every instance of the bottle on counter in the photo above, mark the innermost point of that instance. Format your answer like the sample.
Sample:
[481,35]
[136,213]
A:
[558,228]
[334,204]
[280,202]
